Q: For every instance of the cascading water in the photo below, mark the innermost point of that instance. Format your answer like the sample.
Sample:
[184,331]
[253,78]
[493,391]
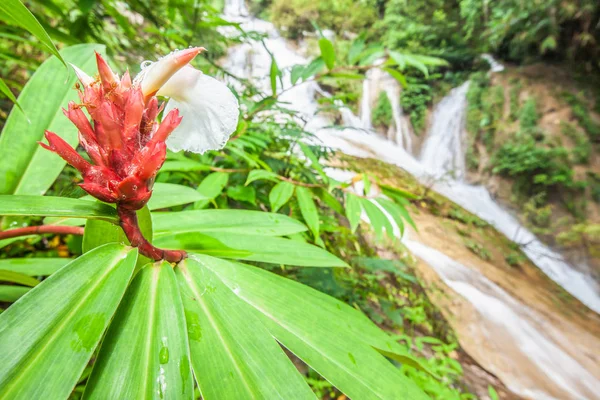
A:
[443,151]
[520,332]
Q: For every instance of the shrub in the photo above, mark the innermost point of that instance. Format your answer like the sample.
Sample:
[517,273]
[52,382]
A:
[415,101]
[382,113]
[528,118]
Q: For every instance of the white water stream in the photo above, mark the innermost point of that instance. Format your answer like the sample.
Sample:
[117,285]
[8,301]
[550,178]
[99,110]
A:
[523,332]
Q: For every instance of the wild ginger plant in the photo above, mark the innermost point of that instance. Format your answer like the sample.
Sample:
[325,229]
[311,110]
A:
[161,307]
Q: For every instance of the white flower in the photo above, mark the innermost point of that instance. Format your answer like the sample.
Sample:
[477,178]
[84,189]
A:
[209,109]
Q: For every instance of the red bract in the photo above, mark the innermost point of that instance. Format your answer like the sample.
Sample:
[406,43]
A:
[124,141]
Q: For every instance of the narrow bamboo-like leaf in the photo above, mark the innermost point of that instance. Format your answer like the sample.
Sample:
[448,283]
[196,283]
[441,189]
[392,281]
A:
[19,14]
[25,167]
[273,76]
[232,221]
[49,206]
[7,92]
[184,166]
[397,75]
[253,248]
[333,338]
[145,353]
[353,210]
[308,209]
[296,73]
[233,355]
[392,209]
[327,52]
[59,323]
[378,220]
[280,194]
[257,174]
[12,293]
[165,195]
[17,277]
[34,266]
[314,161]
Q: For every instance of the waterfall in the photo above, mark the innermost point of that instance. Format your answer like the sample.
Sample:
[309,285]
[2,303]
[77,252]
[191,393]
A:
[523,333]
[365,105]
[443,151]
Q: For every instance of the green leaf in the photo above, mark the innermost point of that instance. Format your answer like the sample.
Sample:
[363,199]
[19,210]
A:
[145,353]
[233,355]
[7,92]
[327,52]
[232,221]
[280,194]
[273,76]
[335,339]
[211,187]
[257,174]
[308,209]
[184,166]
[252,248]
[314,161]
[165,195]
[17,277]
[314,68]
[355,50]
[48,206]
[18,14]
[242,193]
[379,222]
[25,167]
[394,211]
[296,73]
[59,323]
[34,266]
[98,233]
[12,293]
[397,75]
[353,210]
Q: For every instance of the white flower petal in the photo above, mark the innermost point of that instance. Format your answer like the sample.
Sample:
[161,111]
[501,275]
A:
[209,109]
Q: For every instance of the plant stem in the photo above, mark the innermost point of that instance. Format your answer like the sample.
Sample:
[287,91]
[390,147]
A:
[40,229]
[129,223]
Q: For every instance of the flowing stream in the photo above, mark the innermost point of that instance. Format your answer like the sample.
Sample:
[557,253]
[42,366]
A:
[536,364]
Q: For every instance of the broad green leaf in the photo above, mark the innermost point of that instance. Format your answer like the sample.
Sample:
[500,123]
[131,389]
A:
[145,353]
[379,222]
[280,194]
[355,50]
[252,248]
[211,187]
[353,210]
[233,355]
[242,193]
[399,59]
[308,209]
[49,206]
[12,293]
[59,323]
[25,167]
[335,339]
[98,233]
[34,266]
[232,221]
[17,277]
[327,52]
[18,14]
[257,174]
[183,166]
[395,192]
[165,195]
[7,92]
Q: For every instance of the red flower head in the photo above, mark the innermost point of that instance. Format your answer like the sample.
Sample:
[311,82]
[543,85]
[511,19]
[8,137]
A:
[124,142]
